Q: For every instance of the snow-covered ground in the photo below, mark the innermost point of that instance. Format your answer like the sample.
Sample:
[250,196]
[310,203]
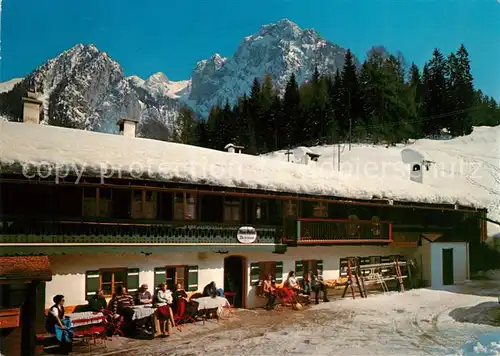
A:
[467,164]
[418,322]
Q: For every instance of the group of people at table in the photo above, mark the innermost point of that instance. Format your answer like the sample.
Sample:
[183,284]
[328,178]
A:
[122,307]
[293,290]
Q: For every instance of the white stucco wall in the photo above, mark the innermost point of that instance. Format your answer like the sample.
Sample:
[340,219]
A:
[330,255]
[423,259]
[69,271]
[460,262]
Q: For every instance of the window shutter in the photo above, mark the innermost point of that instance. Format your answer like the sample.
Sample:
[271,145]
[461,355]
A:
[91,283]
[279,272]
[299,269]
[192,278]
[319,265]
[132,280]
[160,275]
[254,274]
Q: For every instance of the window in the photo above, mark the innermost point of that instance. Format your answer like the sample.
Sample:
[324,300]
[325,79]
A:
[261,211]
[232,207]
[266,269]
[143,204]
[289,208]
[97,202]
[177,275]
[184,206]
[320,210]
[110,279]
[310,266]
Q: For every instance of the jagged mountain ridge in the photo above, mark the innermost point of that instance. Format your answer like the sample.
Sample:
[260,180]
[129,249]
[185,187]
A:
[84,88]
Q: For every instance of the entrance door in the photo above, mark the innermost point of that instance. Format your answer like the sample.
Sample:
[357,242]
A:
[448,277]
[234,279]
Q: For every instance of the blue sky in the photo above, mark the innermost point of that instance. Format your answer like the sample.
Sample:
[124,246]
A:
[171,35]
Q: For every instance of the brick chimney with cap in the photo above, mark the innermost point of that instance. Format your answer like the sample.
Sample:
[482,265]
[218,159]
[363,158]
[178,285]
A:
[127,126]
[31,108]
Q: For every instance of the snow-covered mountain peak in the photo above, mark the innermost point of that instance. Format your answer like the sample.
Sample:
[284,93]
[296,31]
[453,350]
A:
[278,49]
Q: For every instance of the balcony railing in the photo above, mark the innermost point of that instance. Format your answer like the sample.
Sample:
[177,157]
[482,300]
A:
[61,232]
[334,231]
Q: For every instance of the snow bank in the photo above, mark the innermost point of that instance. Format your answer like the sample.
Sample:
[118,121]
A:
[58,152]
[468,165]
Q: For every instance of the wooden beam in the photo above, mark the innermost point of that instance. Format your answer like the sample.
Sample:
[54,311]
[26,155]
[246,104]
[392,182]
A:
[271,195]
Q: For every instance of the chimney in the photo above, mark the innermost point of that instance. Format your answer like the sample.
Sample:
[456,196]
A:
[31,108]
[127,126]
[232,148]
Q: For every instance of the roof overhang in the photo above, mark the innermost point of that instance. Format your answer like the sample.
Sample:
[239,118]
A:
[25,268]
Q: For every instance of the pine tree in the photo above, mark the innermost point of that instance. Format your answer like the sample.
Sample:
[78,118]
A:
[462,93]
[436,93]
[291,107]
[351,109]
[186,127]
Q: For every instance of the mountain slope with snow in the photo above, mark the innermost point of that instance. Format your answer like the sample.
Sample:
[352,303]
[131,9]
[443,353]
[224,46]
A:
[466,164]
[85,88]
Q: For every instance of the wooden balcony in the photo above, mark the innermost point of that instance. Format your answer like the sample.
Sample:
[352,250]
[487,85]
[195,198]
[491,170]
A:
[88,235]
[338,231]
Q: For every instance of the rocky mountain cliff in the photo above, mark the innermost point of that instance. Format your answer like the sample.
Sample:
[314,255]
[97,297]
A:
[84,88]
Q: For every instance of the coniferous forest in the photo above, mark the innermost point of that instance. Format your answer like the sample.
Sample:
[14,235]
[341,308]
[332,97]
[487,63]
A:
[382,101]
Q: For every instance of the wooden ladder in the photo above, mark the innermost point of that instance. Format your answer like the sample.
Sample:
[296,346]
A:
[399,276]
[358,279]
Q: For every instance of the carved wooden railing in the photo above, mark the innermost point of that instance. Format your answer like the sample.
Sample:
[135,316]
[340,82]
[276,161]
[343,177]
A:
[338,231]
[70,231]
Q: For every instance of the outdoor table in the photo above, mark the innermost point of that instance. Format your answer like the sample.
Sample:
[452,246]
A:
[86,318]
[206,303]
[142,311]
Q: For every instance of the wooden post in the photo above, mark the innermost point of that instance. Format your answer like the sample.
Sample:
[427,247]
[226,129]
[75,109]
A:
[28,320]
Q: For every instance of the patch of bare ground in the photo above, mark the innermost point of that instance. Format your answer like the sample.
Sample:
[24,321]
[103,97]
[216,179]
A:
[241,325]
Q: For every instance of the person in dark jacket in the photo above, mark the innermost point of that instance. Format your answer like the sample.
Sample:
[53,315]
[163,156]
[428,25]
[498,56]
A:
[55,315]
[210,290]
[318,285]
[97,303]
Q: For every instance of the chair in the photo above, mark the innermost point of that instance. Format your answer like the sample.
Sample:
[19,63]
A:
[181,316]
[114,325]
[229,308]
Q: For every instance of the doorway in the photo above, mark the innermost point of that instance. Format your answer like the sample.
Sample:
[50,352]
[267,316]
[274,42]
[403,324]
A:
[234,279]
[448,277]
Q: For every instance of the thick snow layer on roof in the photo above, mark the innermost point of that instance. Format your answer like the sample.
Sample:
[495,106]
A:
[70,151]
[468,166]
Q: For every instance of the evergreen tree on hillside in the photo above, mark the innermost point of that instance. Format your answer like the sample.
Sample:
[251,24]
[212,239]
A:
[186,124]
[291,112]
[350,106]
[462,93]
[436,100]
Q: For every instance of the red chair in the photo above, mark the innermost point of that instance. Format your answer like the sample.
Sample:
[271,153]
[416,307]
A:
[114,324]
[230,308]
[180,315]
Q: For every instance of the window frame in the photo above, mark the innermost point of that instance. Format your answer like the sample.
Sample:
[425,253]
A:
[113,271]
[262,269]
[264,211]
[185,205]
[232,203]
[185,277]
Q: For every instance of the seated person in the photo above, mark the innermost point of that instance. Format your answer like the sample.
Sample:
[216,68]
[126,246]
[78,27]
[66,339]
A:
[143,296]
[306,284]
[57,324]
[269,289]
[164,317]
[291,282]
[121,307]
[179,291]
[97,303]
[210,290]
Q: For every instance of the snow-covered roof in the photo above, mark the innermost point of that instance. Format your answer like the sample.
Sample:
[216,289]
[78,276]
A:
[66,151]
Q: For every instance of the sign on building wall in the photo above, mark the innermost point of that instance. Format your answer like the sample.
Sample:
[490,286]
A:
[246,234]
